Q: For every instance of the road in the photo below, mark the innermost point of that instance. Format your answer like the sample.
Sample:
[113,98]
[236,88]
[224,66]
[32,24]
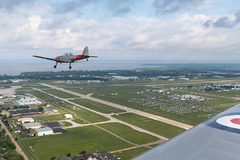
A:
[130,110]
[18,148]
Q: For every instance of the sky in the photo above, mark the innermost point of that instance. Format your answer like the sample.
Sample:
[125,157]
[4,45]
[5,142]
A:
[164,30]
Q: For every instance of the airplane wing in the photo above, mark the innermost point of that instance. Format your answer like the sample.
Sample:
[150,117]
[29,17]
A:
[52,59]
[216,138]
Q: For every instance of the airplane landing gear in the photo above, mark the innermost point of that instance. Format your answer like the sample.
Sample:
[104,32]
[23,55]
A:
[55,66]
[70,67]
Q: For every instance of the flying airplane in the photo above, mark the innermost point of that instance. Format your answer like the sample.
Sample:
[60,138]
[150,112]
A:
[217,138]
[69,57]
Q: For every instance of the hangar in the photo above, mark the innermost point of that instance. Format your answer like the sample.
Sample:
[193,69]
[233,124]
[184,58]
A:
[44,131]
[26,120]
[33,125]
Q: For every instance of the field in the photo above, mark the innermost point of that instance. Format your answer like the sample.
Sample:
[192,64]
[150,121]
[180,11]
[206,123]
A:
[128,133]
[133,94]
[87,139]
[160,128]
[97,106]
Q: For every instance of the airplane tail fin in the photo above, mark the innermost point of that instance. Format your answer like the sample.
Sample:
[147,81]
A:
[85,51]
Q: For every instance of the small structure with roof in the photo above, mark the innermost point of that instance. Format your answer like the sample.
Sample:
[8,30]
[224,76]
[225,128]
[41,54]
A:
[44,131]
[33,125]
[68,116]
[26,120]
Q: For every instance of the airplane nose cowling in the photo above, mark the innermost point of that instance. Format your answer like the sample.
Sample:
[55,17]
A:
[57,58]
[79,57]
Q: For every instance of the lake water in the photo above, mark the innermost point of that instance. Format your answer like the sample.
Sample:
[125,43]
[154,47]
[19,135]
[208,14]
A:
[16,67]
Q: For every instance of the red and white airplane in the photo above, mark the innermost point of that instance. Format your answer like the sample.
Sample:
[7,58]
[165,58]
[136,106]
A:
[69,57]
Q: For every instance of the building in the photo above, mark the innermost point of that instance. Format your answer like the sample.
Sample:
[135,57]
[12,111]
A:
[27,101]
[68,116]
[33,125]
[44,131]
[25,112]
[8,106]
[26,120]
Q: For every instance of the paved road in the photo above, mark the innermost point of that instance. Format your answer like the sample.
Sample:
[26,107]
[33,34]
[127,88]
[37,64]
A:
[18,148]
[145,114]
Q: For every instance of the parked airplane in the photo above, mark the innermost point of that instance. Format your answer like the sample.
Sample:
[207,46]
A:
[69,57]
[216,138]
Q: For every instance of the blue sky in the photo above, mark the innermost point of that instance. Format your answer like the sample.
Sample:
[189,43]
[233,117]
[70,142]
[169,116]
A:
[166,30]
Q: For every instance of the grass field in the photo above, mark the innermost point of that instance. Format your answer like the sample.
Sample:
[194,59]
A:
[51,118]
[194,118]
[129,154]
[61,94]
[89,139]
[129,133]
[67,124]
[89,116]
[160,128]
[97,106]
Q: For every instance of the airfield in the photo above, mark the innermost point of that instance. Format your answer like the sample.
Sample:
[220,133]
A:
[125,118]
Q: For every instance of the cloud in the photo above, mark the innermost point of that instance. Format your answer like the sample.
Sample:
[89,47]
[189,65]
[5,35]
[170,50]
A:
[72,6]
[118,7]
[223,22]
[170,6]
[9,5]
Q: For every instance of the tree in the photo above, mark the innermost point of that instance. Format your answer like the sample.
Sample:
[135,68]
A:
[53,158]
[3,131]
[83,152]
[69,154]
[4,145]
[40,109]
[4,116]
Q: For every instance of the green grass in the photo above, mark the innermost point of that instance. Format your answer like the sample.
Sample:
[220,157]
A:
[129,154]
[97,106]
[193,118]
[128,133]
[79,121]
[51,118]
[89,139]
[60,94]
[157,127]
[89,116]
[67,124]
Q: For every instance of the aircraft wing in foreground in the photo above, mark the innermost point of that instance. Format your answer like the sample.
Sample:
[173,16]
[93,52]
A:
[217,138]
[69,57]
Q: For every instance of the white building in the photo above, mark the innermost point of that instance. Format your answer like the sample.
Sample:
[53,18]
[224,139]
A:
[68,116]
[33,125]
[28,101]
[44,131]
[25,120]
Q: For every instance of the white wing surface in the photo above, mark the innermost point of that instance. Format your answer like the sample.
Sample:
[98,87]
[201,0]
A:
[216,138]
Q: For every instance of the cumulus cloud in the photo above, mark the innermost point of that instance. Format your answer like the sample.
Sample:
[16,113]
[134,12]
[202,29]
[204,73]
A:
[72,6]
[170,6]
[223,22]
[118,7]
[9,5]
